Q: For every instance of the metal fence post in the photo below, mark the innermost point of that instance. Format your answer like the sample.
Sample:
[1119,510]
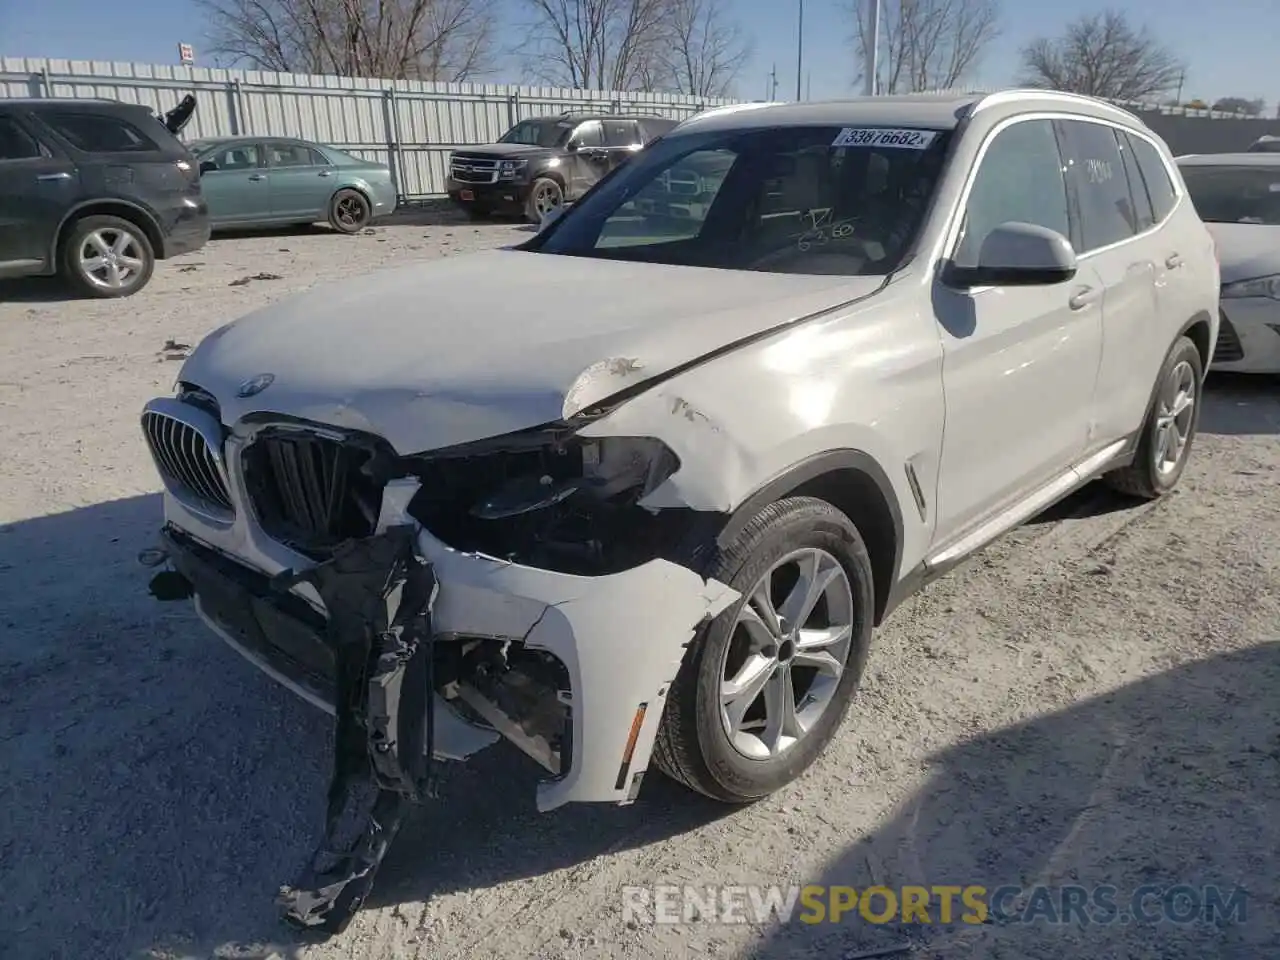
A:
[233,112]
[389,129]
[237,100]
[513,109]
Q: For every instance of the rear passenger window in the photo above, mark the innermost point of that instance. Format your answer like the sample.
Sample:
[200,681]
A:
[16,143]
[621,133]
[1137,187]
[1020,179]
[1096,171]
[294,155]
[1156,176]
[98,133]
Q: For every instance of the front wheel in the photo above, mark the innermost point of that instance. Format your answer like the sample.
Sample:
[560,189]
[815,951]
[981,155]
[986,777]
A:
[349,211]
[1165,443]
[544,196]
[107,257]
[767,683]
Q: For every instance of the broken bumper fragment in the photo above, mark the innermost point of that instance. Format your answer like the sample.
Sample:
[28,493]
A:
[620,639]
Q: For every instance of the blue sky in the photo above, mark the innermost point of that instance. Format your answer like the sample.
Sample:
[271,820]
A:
[1229,44]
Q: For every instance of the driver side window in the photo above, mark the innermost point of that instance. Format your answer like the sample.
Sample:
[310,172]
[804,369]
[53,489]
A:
[1021,179]
[673,205]
[588,135]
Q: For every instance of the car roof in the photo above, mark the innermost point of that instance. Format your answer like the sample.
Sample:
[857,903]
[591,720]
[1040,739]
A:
[938,111]
[1229,160]
[579,116]
[79,103]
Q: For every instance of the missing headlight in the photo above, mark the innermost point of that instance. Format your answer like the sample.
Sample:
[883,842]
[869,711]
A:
[547,498]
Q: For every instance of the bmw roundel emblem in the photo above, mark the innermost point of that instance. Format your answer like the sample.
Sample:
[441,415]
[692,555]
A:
[255,385]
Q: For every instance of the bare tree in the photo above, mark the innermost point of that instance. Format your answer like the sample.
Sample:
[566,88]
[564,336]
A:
[597,44]
[1103,55]
[448,40]
[1250,108]
[701,49]
[926,44]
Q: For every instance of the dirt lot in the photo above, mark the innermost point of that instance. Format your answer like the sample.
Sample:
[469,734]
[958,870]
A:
[1093,700]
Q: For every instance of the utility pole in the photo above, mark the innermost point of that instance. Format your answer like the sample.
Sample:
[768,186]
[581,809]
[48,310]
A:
[772,93]
[800,49]
[873,53]
[1182,75]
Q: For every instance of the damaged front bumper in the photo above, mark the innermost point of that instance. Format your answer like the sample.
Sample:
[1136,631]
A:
[366,652]
[619,637]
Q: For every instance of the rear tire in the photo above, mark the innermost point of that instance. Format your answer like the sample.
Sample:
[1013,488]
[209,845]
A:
[349,211]
[1170,427]
[106,257]
[729,747]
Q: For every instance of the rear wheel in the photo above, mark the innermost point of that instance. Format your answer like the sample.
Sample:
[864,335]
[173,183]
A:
[349,211]
[544,196]
[1170,428]
[107,257]
[766,684]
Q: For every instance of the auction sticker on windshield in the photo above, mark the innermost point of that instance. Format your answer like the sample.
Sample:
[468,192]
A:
[884,137]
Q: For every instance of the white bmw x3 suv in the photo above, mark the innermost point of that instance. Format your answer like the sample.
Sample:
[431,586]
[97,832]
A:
[641,487]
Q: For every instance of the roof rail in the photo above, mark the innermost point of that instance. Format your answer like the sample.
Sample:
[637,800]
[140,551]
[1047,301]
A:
[1028,93]
[729,108]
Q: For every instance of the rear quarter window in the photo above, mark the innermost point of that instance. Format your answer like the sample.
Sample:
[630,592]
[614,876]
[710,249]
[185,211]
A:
[1155,174]
[99,133]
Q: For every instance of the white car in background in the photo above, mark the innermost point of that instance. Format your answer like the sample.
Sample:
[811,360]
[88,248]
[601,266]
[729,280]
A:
[641,487]
[1238,197]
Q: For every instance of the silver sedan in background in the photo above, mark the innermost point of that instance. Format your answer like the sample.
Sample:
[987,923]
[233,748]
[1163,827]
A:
[273,181]
[1238,197]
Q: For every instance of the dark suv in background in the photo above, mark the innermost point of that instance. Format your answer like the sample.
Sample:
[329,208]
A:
[96,191]
[541,162]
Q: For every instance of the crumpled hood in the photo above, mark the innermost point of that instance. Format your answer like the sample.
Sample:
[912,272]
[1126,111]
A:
[1246,250]
[446,351]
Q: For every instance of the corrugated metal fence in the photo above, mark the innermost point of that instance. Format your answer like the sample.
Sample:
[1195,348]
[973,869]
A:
[411,125]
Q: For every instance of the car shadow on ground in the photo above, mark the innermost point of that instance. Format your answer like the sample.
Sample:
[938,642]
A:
[1173,780]
[37,290]
[158,789]
[1239,404]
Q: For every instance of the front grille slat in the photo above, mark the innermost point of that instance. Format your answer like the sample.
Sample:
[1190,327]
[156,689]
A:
[310,492]
[186,456]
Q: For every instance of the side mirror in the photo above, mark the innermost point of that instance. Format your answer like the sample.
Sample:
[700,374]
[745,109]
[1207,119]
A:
[1017,254]
[573,146]
[550,217]
[206,166]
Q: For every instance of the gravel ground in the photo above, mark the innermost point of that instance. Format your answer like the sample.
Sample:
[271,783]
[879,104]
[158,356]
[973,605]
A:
[1092,700]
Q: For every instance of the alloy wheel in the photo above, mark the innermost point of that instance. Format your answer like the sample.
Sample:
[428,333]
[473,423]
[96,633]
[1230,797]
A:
[350,211]
[786,654]
[545,200]
[1175,417]
[111,258]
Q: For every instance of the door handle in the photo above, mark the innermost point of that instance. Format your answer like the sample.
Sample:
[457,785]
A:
[1173,261]
[258,176]
[46,177]
[326,173]
[1082,298]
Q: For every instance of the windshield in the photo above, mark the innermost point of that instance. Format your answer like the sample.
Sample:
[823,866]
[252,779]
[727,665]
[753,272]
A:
[1235,194]
[538,133]
[810,200]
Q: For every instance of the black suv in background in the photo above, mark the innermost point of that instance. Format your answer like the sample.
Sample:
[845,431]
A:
[96,191]
[541,162]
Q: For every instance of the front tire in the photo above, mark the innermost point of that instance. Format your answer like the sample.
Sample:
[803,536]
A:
[765,685]
[544,196]
[1169,429]
[349,211]
[107,257]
